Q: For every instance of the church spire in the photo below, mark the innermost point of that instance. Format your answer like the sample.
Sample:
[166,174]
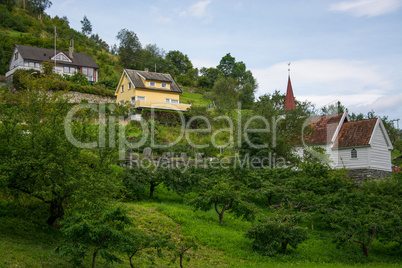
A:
[290,99]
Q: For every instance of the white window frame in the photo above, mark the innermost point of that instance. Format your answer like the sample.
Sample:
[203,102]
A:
[16,56]
[122,88]
[37,65]
[164,85]
[66,68]
[140,98]
[129,85]
[121,102]
[152,84]
[167,100]
[31,64]
[174,101]
[133,100]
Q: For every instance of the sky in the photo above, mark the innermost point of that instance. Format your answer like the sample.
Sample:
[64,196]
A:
[340,50]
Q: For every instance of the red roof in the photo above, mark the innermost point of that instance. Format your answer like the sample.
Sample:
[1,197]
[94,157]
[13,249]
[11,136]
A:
[322,129]
[290,99]
[357,133]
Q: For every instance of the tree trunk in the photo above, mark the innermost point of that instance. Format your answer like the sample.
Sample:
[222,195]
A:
[94,258]
[365,250]
[56,211]
[221,217]
[181,260]
[284,245]
[151,190]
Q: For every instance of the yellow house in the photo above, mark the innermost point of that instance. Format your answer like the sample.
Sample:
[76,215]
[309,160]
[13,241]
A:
[144,89]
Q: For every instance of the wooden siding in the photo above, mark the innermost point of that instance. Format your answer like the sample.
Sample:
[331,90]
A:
[380,154]
[345,160]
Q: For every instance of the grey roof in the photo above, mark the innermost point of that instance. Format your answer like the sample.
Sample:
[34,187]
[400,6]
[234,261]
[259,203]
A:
[44,54]
[135,77]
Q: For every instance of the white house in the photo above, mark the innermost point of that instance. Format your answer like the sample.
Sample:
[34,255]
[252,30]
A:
[354,145]
[363,147]
[26,57]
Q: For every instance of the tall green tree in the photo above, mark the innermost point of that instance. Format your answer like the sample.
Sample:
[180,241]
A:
[129,50]
[38,159]
[180,61]
[86,26]
[247,84]
[37,7]
[225,94]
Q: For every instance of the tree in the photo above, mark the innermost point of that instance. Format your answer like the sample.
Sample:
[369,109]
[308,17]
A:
[224,94]
[336,108]
[37,7]
[181,247]
[86,26]
[129,49]
[100,233]
[277,233]
[247,84]
[39,160]
[372,212]
[180,61]
[139,240]
[225,193]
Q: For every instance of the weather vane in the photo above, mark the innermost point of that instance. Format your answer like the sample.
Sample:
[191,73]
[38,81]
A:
[289,66]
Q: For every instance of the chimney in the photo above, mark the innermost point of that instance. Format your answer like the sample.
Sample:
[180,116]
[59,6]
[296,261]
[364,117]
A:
[71,48]
[146,70]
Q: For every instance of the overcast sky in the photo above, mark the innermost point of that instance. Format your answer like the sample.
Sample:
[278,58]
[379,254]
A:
[347,50]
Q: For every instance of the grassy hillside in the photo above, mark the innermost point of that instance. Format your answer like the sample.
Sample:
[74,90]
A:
[27,242]
[196,99]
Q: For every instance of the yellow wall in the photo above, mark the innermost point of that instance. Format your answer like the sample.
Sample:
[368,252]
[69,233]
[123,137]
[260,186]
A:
[149,94]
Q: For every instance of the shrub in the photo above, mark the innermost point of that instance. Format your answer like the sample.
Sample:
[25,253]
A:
[273,236]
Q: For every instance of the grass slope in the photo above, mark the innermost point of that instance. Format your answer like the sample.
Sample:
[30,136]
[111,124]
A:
[26,241]
[194,98]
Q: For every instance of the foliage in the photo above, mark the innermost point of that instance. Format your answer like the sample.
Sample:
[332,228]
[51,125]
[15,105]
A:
[96,233]
[86,26]
[77,78]
[37,7]
[130,47]
[180,61]
[224,193]
[277,233]
[225,95]
[39,158]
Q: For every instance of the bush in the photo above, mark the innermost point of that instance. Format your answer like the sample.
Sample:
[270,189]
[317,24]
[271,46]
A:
[273,236]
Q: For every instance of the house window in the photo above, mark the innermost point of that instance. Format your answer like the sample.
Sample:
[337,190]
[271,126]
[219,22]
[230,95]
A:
[152,84]
[129,85]
[133,100]
[167,100]
[16,56]
[121,102]
[122,88]
[353,153]
[31,64]
[69,70]
[37,65]
[174,101]
[164,85]
[85,71]
[140,98]
[90,74]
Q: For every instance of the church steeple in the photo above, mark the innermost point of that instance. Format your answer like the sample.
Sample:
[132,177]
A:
[290,99]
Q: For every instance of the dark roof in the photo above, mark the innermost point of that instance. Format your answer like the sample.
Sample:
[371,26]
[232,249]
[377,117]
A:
[357,133]
[134,75]
[322,128]
[44,54]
